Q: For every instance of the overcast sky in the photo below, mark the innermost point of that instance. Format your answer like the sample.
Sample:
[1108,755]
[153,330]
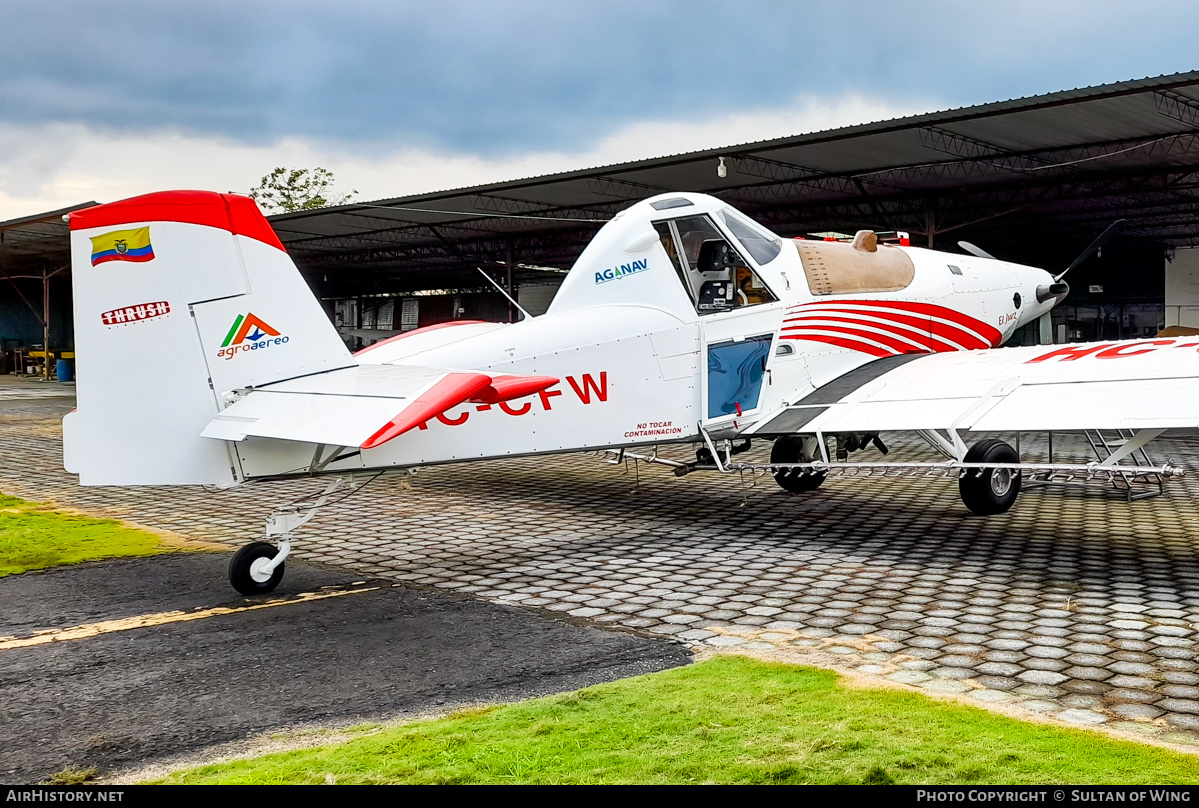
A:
[102,100]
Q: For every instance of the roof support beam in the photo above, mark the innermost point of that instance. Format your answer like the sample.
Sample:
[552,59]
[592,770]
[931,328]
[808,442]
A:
[20,294]
[623,189]
[1177,106]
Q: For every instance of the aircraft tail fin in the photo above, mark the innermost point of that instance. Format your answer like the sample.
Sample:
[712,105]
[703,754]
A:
[180,296]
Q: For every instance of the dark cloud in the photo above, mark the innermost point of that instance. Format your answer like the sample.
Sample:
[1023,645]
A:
[495,78]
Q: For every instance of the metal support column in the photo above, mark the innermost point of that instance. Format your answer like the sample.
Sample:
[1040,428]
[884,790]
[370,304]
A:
[46,319]
[508,281]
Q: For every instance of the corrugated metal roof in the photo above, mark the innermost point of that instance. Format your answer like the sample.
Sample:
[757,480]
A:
[1040,166]
[1071,157]
[39,239]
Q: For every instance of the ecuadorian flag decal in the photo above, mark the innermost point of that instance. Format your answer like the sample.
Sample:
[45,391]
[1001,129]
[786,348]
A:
[123,245]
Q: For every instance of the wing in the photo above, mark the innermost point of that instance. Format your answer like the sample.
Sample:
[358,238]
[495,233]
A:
[1141,384]
[363,406]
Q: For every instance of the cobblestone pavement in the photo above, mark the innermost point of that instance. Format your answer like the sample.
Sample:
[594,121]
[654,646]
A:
[1076,603]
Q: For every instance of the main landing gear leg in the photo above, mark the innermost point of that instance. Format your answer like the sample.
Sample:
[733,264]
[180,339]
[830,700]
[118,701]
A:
[257,568]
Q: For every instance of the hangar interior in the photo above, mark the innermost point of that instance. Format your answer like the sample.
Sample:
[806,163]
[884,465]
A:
[1031,180]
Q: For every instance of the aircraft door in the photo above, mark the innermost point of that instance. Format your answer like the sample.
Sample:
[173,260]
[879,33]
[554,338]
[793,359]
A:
[739,317]
[738,350]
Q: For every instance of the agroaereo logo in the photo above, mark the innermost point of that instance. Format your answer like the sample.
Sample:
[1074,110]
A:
[249,333]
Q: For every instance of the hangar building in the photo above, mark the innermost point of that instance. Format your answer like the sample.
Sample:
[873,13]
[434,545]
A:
[1032,180]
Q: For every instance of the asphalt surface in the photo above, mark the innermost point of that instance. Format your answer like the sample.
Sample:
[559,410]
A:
[368,650]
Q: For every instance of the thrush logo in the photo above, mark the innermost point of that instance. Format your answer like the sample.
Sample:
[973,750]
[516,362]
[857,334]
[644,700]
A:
[249,333]
[135,314]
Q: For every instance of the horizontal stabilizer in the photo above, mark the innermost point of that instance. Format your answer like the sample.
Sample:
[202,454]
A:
[364,406]
[303,417]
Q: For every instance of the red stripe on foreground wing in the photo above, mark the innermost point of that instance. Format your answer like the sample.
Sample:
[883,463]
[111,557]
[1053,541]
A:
[451,389]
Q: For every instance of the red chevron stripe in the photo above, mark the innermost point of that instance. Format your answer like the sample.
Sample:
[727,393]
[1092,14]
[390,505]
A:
[978,330]
[990,334]
[888,338]
[921,338]
[959,339]
[852,345]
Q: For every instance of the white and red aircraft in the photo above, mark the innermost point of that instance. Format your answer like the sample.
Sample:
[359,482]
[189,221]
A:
[204,359]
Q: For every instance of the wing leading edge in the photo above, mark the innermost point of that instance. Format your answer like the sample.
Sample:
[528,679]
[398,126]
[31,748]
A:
[1140,384]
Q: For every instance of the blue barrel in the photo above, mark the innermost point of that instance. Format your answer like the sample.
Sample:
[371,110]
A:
[64,370]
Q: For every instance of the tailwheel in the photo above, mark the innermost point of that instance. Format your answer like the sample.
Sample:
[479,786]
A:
[796,449]
[990,491]
[250,572]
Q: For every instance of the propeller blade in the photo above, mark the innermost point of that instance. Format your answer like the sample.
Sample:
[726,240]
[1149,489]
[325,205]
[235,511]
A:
[1111,230]
[970,248]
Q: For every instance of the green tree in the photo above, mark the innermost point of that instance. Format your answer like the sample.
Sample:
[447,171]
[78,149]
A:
[291,189]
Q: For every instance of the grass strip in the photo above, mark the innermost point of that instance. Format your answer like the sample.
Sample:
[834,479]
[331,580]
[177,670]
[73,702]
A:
[727,720]
[34,536]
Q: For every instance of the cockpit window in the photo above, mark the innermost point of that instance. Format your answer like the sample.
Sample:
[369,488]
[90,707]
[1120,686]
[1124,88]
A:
[666,234]
[762,246]
[715,274]
[673,202]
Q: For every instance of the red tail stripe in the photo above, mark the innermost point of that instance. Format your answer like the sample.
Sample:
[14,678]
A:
[852,345]
[988,333]
[922,337]
[237,214]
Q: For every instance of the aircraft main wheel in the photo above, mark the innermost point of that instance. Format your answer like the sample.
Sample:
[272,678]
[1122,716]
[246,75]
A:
[990,491]
[790,449]
[246,573]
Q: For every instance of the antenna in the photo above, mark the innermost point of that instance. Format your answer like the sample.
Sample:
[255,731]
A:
[504,293]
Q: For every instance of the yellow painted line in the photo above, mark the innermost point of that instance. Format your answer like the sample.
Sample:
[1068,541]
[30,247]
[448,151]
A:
[159,619]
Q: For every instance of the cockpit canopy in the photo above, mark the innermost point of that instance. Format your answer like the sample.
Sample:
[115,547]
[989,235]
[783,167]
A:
[692,254]
[713,270]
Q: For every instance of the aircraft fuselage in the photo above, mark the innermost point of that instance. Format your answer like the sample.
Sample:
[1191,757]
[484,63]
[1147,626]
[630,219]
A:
[652,338]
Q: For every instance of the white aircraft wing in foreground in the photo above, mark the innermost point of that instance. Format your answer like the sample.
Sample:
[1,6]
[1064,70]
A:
[1146,384]
[682,322]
